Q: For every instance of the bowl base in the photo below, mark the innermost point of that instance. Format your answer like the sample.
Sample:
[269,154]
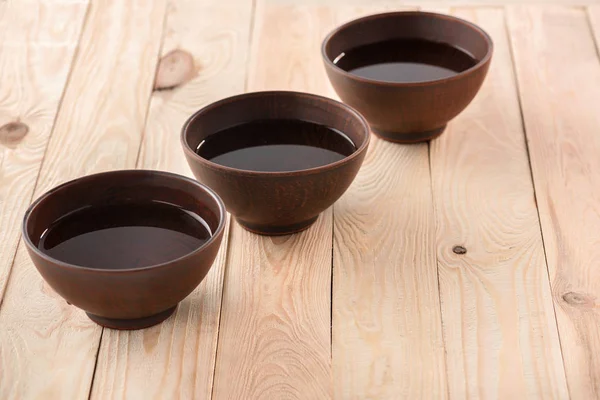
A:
[269,230]
[131,324]
[414,137]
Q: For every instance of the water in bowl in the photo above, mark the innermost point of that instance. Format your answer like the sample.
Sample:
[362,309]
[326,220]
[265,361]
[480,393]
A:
[405,61]
[128,235]
[277,145]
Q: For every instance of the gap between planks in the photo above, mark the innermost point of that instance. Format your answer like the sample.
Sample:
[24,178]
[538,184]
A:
[26,38]
[485,203]
[528,150]
[332,227]
[387,333]
[42,336]
[183,348]
[275,302]
[137,159]
[561,129]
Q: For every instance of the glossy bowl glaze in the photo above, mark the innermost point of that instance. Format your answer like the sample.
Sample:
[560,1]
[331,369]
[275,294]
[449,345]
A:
[125,298]
[276,203]
[413,111]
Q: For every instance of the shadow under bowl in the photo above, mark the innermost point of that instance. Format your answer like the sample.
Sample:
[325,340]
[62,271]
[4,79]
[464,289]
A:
[125,298]
[408,111]
[276,203]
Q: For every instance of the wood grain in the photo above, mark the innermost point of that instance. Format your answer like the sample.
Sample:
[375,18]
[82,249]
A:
[559,80]
[351,375]
[498,316]
[48,348]
[34,70]
[41,22]
[181,351]
[274,340]
[387,333]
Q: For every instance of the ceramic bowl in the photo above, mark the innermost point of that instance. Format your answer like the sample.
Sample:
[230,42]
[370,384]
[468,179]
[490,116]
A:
[276,203]
[129,298]
[412,111]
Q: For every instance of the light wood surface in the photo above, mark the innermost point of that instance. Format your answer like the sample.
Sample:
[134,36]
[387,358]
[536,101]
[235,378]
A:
[180,353]
[34,67]
[387,334]
[48,347]
[559,80]
[274,339]
[501,338]
[353,308]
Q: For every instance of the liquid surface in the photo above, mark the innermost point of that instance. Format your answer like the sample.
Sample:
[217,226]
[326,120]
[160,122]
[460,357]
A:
[276,146]
[124,236]
[405,60]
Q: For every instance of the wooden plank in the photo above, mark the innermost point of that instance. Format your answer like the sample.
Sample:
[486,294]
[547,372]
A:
[559,74]
[181,350]
[41,22]
[48,348]
[498,317]
[286,48]
[274,339]
[387,334]
[34,70]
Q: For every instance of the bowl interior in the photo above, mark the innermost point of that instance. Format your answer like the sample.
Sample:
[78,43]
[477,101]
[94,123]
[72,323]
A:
[408,25]
[118,188]
[273,106]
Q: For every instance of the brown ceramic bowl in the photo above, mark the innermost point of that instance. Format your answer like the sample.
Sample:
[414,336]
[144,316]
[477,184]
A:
[276,203]
[125,298]
[414,111]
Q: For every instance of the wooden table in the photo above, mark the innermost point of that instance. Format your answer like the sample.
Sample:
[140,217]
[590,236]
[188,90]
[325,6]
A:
[464,268]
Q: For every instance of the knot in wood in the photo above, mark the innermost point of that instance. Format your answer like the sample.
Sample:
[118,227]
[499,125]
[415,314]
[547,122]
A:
[459,250]
[12,133]
[174,69]
[579,300]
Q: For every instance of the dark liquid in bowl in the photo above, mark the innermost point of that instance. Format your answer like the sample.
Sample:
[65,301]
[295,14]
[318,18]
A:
[123,236]
[276,146]
[405,60]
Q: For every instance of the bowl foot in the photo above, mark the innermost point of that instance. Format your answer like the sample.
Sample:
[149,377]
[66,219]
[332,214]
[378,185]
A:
[131,324]
[414,137]
[269,230]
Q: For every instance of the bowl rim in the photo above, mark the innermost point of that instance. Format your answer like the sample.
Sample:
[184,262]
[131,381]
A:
[301,172]
[393,14]
[170,175]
